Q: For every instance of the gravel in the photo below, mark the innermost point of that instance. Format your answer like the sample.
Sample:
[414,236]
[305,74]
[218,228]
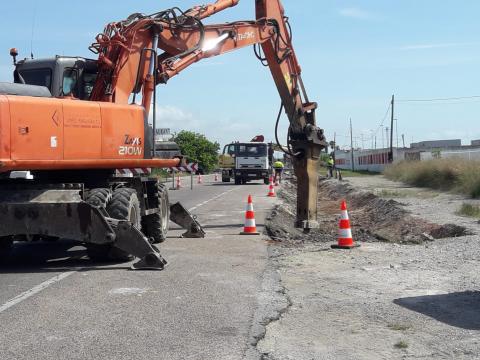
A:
[363,303]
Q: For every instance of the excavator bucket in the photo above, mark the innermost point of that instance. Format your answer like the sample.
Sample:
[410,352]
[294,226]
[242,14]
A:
[181,216]
[130,240]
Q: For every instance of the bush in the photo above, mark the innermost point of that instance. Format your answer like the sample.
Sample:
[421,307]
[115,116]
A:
[198,149]
[443,174]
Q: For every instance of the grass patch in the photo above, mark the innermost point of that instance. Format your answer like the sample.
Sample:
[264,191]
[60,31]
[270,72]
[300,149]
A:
[401,345]
[391,193]
[457,175]
[399,327]
[349,173]
[469,210]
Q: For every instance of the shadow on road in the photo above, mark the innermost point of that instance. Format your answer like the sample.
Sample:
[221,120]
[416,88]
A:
[56,256]
[459,309]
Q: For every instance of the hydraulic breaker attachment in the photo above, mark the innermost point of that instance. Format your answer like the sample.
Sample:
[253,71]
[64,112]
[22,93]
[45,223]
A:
[181,216]
[132,241]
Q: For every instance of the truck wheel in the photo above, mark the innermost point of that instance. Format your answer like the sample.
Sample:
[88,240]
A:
[238,180]
[155,226]
[6,244]
[266,181]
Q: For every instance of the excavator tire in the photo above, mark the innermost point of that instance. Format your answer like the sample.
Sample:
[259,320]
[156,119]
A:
[99,198]
[6,244]
[155,226]
[124,206]
[118,206]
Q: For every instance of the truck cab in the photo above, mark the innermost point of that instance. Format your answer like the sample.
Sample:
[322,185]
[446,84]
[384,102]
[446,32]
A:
[245,162]
[61,75]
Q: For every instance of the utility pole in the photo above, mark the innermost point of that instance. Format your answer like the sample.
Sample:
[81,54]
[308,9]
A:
[375,147]
[386,135]
[351,145]
[383,141]
[403,140]
[390,154]
[396,130]
[334,145]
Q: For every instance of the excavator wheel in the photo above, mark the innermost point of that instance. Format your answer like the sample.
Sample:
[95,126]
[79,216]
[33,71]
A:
[99,198]
[6,244]
[155,226]
[124,206]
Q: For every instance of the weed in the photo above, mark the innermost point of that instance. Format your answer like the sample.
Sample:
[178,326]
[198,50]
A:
[469,210]
[391,193]
[457,175]
[399,327]
[401,345]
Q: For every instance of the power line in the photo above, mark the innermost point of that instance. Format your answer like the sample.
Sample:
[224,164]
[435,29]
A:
[440,99]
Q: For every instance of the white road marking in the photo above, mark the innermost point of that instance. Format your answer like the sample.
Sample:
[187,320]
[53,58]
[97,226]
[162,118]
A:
[128,291]
[209,200]
[35,290]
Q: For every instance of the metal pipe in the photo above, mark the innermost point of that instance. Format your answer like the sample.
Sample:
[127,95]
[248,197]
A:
[10,165]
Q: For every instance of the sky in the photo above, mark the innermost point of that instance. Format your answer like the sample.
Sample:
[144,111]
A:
[354,55]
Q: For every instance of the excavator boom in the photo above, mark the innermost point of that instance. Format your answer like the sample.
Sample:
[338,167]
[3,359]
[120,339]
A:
[129,63]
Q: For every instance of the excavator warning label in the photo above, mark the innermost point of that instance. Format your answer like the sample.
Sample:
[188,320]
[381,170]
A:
[53,141]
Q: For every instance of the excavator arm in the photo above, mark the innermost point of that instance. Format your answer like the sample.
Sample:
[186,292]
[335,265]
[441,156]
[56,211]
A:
[129,63]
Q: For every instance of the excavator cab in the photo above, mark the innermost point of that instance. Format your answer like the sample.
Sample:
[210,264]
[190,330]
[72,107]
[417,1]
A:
[64,76]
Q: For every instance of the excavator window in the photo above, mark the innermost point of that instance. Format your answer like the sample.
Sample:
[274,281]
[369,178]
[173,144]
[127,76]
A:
[40,77]
[70,82]
[88,82]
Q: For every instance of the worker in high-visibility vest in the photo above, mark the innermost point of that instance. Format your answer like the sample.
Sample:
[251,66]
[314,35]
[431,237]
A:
[278,167]
[330,166]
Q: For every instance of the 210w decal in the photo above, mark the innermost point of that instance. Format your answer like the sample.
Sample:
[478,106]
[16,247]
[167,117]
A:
[132,146]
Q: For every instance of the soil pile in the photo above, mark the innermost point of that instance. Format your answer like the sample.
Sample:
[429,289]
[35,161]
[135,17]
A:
[372,218]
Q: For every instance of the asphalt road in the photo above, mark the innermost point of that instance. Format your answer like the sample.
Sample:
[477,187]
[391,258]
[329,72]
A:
[57,304]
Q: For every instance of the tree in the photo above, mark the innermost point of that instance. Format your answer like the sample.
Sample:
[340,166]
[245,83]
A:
[197,148]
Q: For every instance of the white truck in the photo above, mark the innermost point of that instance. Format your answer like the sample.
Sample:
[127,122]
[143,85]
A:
[246,161]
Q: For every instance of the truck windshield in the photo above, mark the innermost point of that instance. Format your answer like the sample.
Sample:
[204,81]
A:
[252,150]
[40,77]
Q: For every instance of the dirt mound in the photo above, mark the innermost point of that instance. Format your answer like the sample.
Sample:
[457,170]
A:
[372,218]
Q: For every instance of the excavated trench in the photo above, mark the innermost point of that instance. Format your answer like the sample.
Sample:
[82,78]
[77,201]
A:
[372,218]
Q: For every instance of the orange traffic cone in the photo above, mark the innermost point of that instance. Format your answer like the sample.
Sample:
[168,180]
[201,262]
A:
[271,190]
[179,182]
[345,240]
[250,227]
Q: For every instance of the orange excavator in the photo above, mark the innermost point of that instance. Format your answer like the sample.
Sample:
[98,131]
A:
[72,122]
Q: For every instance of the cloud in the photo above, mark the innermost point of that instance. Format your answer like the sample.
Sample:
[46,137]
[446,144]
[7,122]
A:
[435,46]
[356,13]
[175,118]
